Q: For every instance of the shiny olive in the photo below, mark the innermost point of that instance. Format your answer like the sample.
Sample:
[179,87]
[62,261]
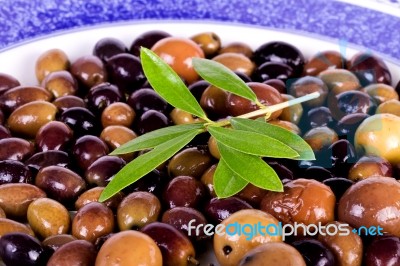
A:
[7,82]
[154,182]
[48,217]
[118,250]
[351,102]
[65,102]
[137,210]
[237,47]
[180,117]
[15,149]
[318,173]
[343,156]
[89,70]
[10,226]
[209,42]
[103,169]
[272,70]
[323,61]
[230,247]
[54,135]
[92,221]
[307,85]
[314,201]
[293,113]
[93,194]
[208,180]
[51,61]
[4,132]
[118,114]
[213,101]
[60,83]
[178,53]
[56,241]
[277,84]
[283,171]
[314,252]
[319,116]
[197,88]
[213,148]
[48,158]
[190,162]
[339,80]
[108,47]
[114,136]
[369,69]
[218,210]
[236,62]
[368,166]
[286,125]
[320,137]
[80,120]
[60,184]
[252,194]
[12,171]
[372,202]
[389,107]
[101,96]
[146,99]
[150,121]
[383,250]
[346,127]
[147,39]
[76,252]
[338,185]
[381,92]
[20,249]
[88,149]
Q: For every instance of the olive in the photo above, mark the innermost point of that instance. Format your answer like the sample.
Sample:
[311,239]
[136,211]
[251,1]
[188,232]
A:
[10,226]
[151,120]
[318,173]
[92,221]
[80,120]
[213,101]
[307,85]
[266,94]
[15,149]
[381,92]
[108,47]
[60,184]
[314,252]
[197,88]
[383,251]
[343,155]
[280,52]
[346,127]
[18,96]
[286,125]
[65,102]
[118,114]
[125,71]
[293,113]
[277,84]
[180,117]
[114,136]
[339,80]
[93,194]
[273,253]
[51,61]
[351,102]
[218,210]
[242,76]
[16,197]
[146,99]
[369,69]
[347,249]
[237,47]
[118,250]
[153,182]
[20,249]
[338,185]
[56,241]
[314,201]
[178,53]
[323,61]
[76,252]
[320,116]
[379,135]
[88,149]
[272,70]
[190,162]
[137,210]
[368,166]
[54,135]
[89,70]
[1,117]
[372,202]
[181,217]
[209,42]
[4,132]
[389,107]
[7,82]
[208,180]
[48,158]
[48,217]
[103,169]
[101,96]
[213,148]
[147,39]
[60,83]
[12,171]
[231,246]
[320,137]
[184,191]
[236,62]
[2,213]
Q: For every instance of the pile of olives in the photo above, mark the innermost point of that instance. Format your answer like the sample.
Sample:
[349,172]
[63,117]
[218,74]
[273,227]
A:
[55,140]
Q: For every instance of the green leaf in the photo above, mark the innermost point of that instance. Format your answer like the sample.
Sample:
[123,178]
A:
[168,84]
[281,134]
[252,143]
[154,138]
[222,77]
[145,163]
[251,168]
[226,182]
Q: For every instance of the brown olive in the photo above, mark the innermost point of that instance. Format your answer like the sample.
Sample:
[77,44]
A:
[348,249]
[381,92]
[237,47]
[293,113]
[389,107]
[88,149]
[118,113]
[48,217]
[277,84]
[77,252]
[60,83]
[236,62]
[339,80]
[372,202]
[138,209]
[303,201]
[92,221]
[2,213]
[323,61]
[320,137]
[208,179]
[101,171]
[93,194]
[16,197]
[68,101]
[213,148]
[230,247]
[209,42]
[117,135]
[180,117]
[191,162]
[369,68]
[7,82]
[54,135]
[56,241]
[213,101]
[307,85]
[218,209]
[10,226]
[252,194]
[178,53]
[368,166]
[273,253]
[15,149]
[286,125]
[89,71]
[51,61]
